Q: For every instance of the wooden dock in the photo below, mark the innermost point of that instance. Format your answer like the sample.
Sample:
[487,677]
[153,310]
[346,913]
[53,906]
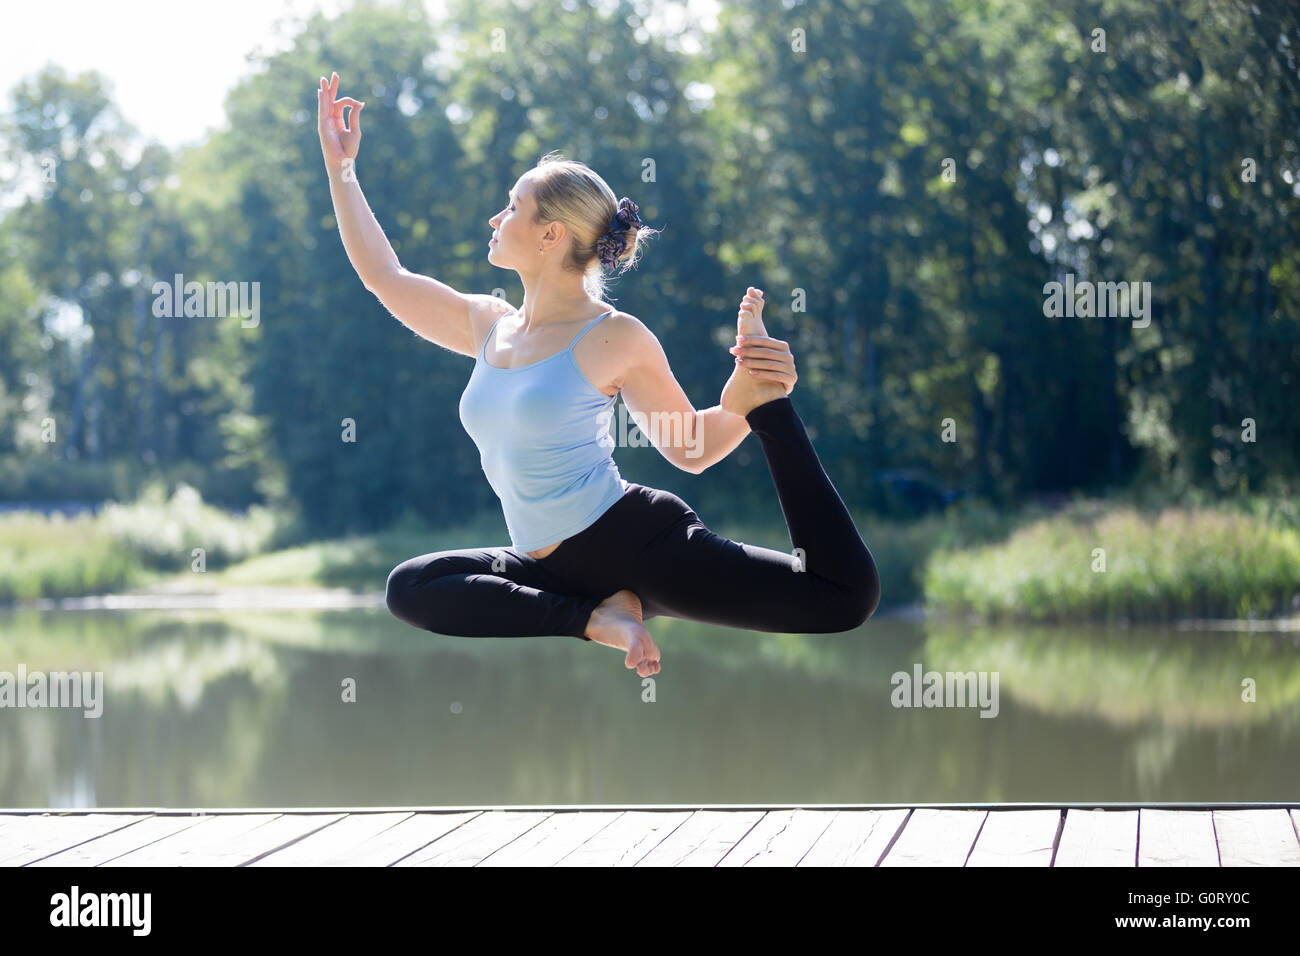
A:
[941,835]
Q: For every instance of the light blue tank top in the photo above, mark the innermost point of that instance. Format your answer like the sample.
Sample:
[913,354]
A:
[542,432]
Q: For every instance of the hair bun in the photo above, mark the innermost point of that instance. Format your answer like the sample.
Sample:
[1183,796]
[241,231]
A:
[628,214]
[611,246]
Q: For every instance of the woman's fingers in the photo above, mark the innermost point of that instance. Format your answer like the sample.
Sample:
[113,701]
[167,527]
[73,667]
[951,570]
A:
[785,382]
[772,363]
[786,378]
[745,349]
[759,354]
[327,93]
[339,106]
[763,340]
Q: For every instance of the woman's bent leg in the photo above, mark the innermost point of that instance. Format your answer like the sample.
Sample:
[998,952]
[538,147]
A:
[485,592]
[695,574]
[828,584]
[820,526]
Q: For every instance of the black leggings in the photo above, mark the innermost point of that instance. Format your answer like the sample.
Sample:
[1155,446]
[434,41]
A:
[652,543]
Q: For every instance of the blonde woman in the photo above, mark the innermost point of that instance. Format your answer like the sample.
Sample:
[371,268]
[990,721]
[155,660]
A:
[592,554]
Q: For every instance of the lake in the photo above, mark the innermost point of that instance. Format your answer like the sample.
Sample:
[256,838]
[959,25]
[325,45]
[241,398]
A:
[226,709]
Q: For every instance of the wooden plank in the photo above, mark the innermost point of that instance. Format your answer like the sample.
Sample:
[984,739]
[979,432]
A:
[99,851]
[477,839]
[237,842]
[553,839]
[335,844]
[1256,838]
[411,836]
[781,838]
[704,839]
[367,839]
[1176,838]
[629,838]
[1098,838]
[1016,838]
[784,837]
[264,839]
[856,838]
[27,839]
[936,838]
[210,830]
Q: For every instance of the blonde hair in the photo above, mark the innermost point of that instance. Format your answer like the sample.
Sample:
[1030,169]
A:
[570,192]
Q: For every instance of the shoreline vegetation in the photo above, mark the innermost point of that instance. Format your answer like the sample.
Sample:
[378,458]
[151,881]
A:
[1099,561]
[1113,564]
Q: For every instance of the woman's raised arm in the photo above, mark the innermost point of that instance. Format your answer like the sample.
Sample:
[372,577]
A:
[429,308]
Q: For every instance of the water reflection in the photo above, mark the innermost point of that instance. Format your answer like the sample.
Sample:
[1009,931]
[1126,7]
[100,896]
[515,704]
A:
[224,709]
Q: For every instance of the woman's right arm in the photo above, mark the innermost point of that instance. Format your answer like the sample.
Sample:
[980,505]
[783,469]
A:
[432,309]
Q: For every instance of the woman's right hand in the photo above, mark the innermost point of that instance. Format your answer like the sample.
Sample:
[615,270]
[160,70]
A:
[337,142]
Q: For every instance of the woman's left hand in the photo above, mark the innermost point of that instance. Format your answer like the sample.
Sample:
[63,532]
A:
[767,359]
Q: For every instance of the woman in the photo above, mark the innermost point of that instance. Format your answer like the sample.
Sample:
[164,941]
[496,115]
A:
[594,556]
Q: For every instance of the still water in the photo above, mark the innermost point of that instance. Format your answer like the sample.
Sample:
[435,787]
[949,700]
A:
[232,709]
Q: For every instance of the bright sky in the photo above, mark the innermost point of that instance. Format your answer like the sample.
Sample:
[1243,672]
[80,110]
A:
[171,62]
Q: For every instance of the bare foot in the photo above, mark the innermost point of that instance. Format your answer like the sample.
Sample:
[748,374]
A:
[742,391]
[616,622]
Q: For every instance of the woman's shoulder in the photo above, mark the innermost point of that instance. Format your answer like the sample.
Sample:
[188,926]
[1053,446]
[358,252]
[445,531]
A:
[624,333]
[491,306]
[486,309]
[626,326]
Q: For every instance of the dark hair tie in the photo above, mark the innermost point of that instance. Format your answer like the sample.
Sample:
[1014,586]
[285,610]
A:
[611,246]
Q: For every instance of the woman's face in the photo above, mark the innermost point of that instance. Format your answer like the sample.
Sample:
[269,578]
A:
[513,227]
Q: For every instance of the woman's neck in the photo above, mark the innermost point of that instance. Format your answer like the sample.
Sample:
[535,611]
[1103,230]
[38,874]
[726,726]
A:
[543,308]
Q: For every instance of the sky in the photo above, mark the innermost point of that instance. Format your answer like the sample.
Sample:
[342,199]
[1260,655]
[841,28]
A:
[205,43]
[170,62]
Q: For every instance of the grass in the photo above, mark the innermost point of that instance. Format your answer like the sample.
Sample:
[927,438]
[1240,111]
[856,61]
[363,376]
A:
[123,545]
[1101,563]
[56,556]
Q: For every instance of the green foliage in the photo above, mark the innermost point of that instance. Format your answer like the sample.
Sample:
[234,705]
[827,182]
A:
[57,557]
[902,549]
[801,148]
[163,532]
[123,545]
[1180,563]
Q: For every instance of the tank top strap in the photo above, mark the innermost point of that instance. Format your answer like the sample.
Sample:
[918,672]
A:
[587,329]
[482,352]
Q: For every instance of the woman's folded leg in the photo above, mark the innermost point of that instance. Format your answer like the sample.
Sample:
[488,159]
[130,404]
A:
[695,574]
[820,525]
[485,592]
[827,584]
